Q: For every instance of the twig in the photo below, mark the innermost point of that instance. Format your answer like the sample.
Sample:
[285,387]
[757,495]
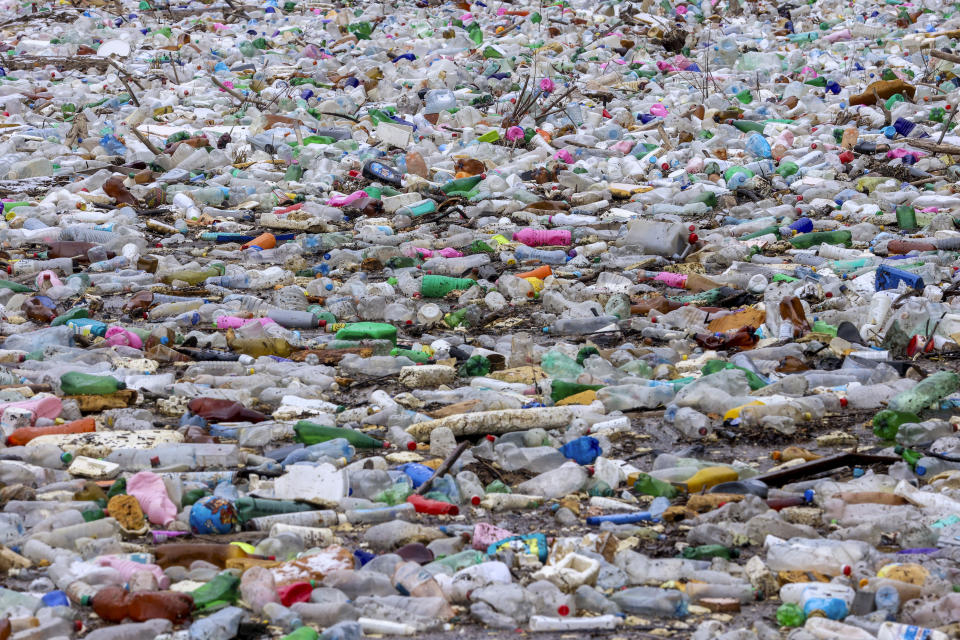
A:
[946,125]
[126,86]
[443,468]
[113,63]
[146,141]
[943,55]
[236,95]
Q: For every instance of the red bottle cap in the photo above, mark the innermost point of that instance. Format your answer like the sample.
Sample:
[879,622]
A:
[475,501]
[411,446]
[155,461]
[563,610]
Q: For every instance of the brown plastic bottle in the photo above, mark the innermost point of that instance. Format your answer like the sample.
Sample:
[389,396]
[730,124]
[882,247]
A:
[794,453]
[658,303]
[257,347]
[416,165]
[197,434]
[115,188]
[137,305]
[163,353]
[144,177]
[91,491]
[5,629]
[884,89]
[791,310]
[148,264]
[549,205]
[901,247]
[37,311]
[224,410]
[115,604]
[184,553]
[871,497]
[150,605]
[792,364]
[742,338]
[161,336]
[70,249]
[469,165]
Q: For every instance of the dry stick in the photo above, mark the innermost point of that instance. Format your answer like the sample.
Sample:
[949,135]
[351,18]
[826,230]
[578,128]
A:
[943,55]
[113,63]
[443,468]
[146,141]
[126,86]
[236,95]
[946,125]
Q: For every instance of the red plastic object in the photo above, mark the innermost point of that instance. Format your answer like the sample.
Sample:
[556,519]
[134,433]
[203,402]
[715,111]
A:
[433,507]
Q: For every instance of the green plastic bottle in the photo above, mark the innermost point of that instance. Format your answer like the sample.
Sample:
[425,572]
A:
[311,433]
[462,185]
[461,560]
[303,633]
[790,615]
[195,276]
[16,287]
[414,354]
[368,331]
[560,389]
[774,229]
[749,125]
[713,366]
[73,314]
[432,286]
[294,172]
[909,455]
[497,486]
[249,508]
[815,238]
[397,494]
[475,366]
[650,486]
[76,383]
[734,170]
[707,551]
[887,422]
[906,217]
[455,319]
[92,514]
[222,590]
[819,326]
[926,393]
[787,168]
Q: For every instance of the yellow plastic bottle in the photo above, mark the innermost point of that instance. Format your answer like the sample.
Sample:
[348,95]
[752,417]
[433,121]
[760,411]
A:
[709,477]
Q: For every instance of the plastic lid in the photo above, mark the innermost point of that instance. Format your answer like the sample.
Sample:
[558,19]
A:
[155,461]
[411,446]
[475,501]
[85,601]
[66,457]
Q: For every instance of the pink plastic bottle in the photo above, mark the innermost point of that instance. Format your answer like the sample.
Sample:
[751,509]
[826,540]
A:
[48,279]
[118,336]
[128,567]
[149,490]
[450,252]
[342,201]
[45,407]
[233,322]
[541,237]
